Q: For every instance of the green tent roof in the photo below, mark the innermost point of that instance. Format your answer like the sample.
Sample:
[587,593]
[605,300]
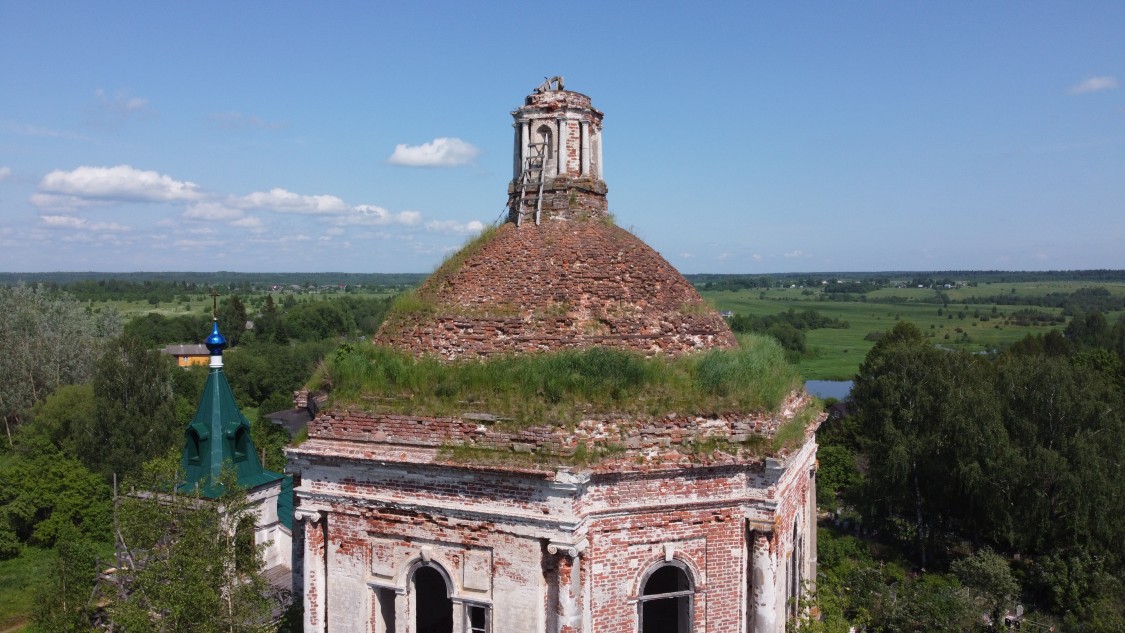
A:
[219,437]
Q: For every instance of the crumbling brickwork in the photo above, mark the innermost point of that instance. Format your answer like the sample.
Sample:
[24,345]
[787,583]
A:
[562,284]
[695,519]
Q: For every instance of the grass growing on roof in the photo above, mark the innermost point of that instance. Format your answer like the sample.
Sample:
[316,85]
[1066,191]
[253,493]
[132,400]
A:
[562,387]
[409,305]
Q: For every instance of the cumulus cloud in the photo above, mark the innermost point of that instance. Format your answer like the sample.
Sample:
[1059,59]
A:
[282,201]
[453,226]
[371,215]
[1094,84]
[71,222]
[253,224]
[63,221]
[121,183]
[440,152]
[5,172]
[238,121]
[212,211]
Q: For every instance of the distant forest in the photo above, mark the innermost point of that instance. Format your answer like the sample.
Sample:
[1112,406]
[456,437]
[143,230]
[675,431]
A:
[220,278]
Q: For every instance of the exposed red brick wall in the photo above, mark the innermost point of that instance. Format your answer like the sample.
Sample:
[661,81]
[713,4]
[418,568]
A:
[634,442]
[561,284]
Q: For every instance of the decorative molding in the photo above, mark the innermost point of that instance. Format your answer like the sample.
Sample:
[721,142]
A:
[571,550]
[312,516]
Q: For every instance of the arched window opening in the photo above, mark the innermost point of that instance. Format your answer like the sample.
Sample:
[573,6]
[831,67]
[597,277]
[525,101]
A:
[542,150]
[193,453]
[241,443]
[665,603]
[432,605]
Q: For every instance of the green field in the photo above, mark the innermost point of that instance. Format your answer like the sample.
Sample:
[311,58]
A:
[835,354]
[201,303]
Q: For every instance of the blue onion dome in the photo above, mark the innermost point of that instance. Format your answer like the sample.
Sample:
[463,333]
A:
[215,342]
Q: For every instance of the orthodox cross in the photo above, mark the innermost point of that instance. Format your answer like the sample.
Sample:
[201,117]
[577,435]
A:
[214,304]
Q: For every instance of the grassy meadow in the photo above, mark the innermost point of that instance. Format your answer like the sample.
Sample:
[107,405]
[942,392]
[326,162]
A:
[835,354]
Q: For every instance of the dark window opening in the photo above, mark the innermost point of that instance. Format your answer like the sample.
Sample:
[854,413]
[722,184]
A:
[476,618]
[241,444]
[386,600]
[666,601]
[434,609]
[193,447]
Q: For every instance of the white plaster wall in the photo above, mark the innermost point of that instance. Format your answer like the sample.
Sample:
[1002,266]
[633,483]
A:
[349,597]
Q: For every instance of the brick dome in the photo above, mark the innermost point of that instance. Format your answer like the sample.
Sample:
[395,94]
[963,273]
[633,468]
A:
[558,274]
[560,284]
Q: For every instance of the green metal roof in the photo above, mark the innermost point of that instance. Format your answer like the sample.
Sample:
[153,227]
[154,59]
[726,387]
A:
[219,437]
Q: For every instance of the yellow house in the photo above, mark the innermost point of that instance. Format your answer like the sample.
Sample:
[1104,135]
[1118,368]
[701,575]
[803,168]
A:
[189,354]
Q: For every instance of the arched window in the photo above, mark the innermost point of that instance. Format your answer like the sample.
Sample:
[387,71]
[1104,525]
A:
[433,609]
[241,443]
[543,149]
[665,603]
[193,453]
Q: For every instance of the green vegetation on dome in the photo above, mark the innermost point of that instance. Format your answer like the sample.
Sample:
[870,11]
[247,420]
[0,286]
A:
[419,301]
[561,387]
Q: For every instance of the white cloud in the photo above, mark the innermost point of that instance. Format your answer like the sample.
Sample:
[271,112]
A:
[57,203]
[254,224]
[121,183]
[440,152]
[212,211]
[63,221]
[334,231]
[756,257]
[453,226]
[1094,84]
[797,253]
[71,222]
[371,215]
[5,173]
[282,201]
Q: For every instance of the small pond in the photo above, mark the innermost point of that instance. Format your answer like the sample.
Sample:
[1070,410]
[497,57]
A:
[838,389]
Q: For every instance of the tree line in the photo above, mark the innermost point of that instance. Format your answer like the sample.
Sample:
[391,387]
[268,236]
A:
[88,402]
[1016,465]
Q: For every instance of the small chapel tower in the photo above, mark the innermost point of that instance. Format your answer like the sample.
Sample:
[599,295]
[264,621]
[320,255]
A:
[218,438]
[557,162]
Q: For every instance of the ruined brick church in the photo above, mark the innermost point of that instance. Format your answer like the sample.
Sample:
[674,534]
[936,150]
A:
[400,535]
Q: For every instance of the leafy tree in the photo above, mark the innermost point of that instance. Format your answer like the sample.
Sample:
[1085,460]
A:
[59,417]
[156,329]
[187,565]
[45,494]
[135,416]
[988,575]
[317,320]
[63,603]
[232,319]
[48,340]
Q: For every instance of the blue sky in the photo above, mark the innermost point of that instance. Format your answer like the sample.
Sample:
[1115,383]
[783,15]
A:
[739,137]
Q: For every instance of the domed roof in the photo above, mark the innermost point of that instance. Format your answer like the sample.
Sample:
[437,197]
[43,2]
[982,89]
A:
[559,274]
[557,285]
